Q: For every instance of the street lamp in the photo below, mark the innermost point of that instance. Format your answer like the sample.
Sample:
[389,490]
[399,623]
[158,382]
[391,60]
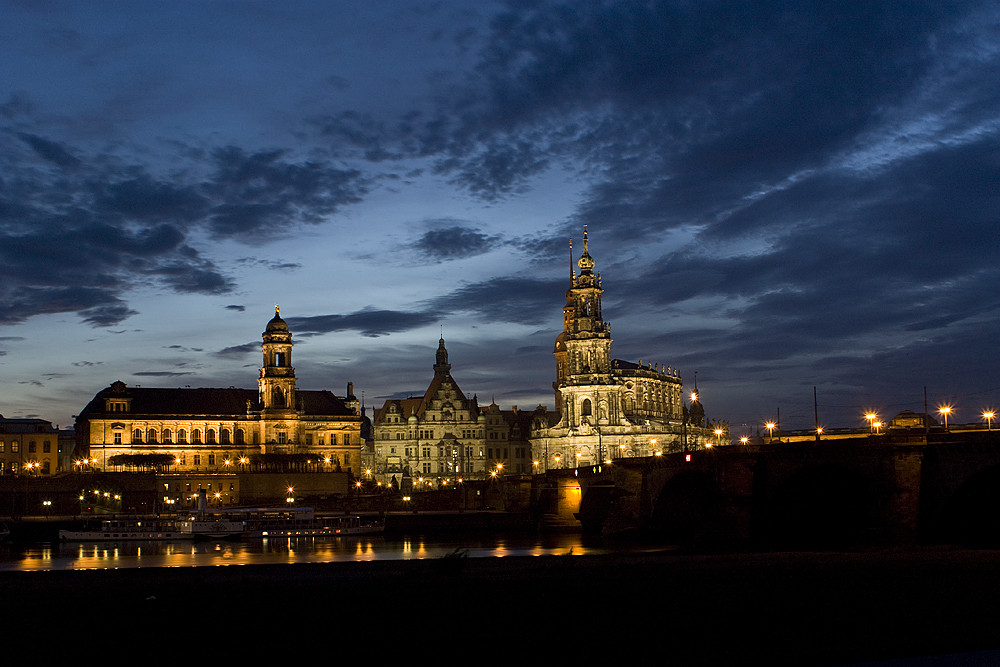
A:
[718,436]
[945,410]
[988,415]
[744,440]
[871,417]
[770,430]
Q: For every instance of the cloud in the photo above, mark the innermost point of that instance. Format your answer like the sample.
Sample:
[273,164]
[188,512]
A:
[262,193]
[51,151]
[162,373]
[236,308]
[505,299]
[77,239]
[239,350]
[454,241]
[370,322]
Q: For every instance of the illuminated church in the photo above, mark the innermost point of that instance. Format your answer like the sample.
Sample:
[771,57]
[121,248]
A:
[609,408]
[219,430]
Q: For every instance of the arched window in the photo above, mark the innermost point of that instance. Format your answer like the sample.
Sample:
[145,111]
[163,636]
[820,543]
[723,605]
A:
[182,436]
[210,435]
[196,435]
[240,437]
[224,436]
[167,435]
[137,435]
[586,410]
[151,435]
[278,398]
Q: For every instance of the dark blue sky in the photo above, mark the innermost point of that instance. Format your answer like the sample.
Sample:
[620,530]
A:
[778,195]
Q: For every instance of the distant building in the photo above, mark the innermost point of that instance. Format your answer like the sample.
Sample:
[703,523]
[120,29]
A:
[907,419]
[206,430]
[609,408]
[444,436]
[28,447]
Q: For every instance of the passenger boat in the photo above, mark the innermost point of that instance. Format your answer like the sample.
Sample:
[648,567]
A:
[250,523]
[204,527]
[127,528]
[270,522]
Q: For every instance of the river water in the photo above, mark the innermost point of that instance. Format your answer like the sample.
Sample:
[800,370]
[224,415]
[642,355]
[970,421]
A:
[110,555]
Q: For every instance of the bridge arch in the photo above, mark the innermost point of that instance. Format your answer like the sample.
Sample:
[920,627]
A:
[819,506]
[971,515]
[687,508]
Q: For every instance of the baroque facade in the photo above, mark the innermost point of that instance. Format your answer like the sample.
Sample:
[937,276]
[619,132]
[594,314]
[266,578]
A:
[609,408]
[443,436]
[219,430]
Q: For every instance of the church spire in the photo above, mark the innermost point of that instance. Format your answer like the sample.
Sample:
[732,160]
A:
[441,358]
[572,271]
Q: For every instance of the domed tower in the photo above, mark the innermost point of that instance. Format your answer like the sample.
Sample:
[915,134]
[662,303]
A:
[277,376]
[441,365]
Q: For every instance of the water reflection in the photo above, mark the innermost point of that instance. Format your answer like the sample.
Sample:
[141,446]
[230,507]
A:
[105,555]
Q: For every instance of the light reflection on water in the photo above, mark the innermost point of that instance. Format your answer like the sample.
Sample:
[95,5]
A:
[112,555]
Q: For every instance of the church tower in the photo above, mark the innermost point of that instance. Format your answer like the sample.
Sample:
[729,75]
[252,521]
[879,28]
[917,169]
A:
[277,376]
[441,365]
[583,349]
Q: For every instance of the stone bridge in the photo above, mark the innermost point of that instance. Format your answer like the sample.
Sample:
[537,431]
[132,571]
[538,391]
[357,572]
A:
[866,490]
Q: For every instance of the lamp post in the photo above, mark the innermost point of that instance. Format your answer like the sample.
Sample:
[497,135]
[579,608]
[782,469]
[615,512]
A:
[718,436]
[945,410]
[871,417]
[770,430]
[988,415]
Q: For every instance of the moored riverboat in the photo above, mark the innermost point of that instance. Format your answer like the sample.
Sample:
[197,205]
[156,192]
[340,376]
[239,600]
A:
[204,527]
[126,529]
[270,522]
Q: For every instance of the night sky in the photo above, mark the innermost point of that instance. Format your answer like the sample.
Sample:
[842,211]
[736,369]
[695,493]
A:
[778,196]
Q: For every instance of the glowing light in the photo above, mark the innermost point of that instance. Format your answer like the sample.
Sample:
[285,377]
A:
[945,410]
[988,415]
[871,416]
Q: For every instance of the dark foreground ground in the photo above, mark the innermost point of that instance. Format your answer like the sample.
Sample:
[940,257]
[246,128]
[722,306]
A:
[660,608]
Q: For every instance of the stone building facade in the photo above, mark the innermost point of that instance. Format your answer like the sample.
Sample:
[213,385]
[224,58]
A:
[444,436]
[28,447]
[219,430]
[609,408]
